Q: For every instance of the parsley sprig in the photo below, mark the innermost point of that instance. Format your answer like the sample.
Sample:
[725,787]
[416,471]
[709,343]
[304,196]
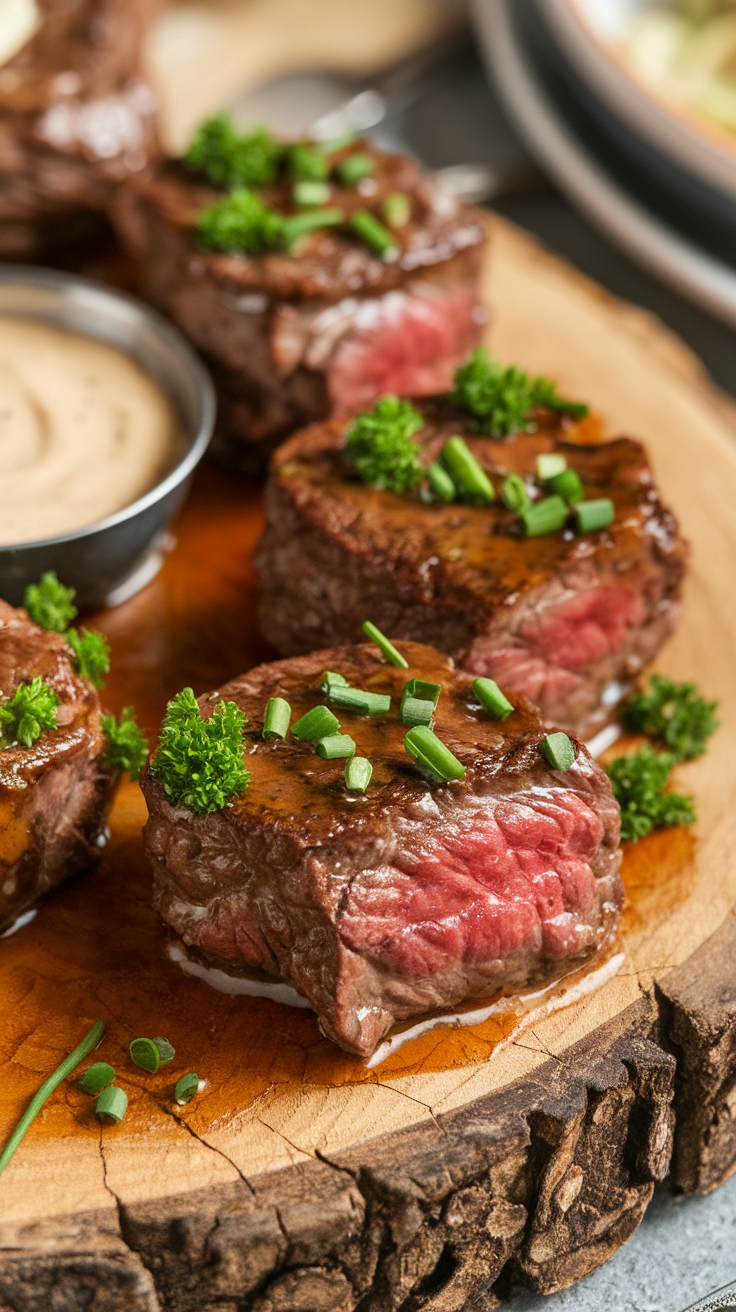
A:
[49,605]
[639,785]
[231,158]
[240,221]
[26,714]
[199,763]
[92,653]
[675,714]
[127,747]
[380,447]
[501,399]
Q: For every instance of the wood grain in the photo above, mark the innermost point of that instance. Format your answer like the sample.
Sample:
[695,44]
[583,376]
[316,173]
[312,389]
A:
[473,1158]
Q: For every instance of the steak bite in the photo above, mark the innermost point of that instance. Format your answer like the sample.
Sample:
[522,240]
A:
[412,895]
[565,618]
[76,119]
[54,794]
[330,322]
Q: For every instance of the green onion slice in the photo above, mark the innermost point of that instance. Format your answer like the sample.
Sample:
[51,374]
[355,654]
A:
[298,225]
[331,680]
[470,479]
[112,1104]
[186,1088]
[165,1051]
[549,465]
[490,696]
[336,746]
[373,233]
[431,756]
[82,1050]
[388,650]
[355,167]
[514,492]
[357,699]
[593,515]
[310,193]
[97,1077]
[428,692]
[416,711]
[306,162]
[144,1053]
[317,723]
[568,485]
[358,771]
[558,751]
[546,516]
[440,482]
[396,210]
[276,718]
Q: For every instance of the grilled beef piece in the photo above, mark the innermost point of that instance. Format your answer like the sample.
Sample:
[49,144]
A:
[291,338]
[565,619]
[54,796]
[76,119]
[413,895]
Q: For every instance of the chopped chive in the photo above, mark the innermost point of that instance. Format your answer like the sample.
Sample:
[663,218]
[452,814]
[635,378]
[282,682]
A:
[558,751]
[549,465]
[356,699]
[440,482]
[568,485]
[416,711]
[145,1053]
[470,479]
[82,1050]
[396,210]
[331,144]
[331,680]
[373,233]
[307,163]
[546,516]
[317,723]
[298,225]
[358,771]
[186,1088]
[388,650]
[276,718]
[428,692]
[335,746]
[489,695]
[431,756]
[354,167]
[112,1104]
[514,492]
[97,1077]
[165,1050]
[310,193]
[592,515]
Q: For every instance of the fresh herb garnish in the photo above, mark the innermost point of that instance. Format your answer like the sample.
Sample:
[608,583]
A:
[468,475]
[639,786]
[675,713]
[358,772]
[380,447]
[276,718]
[92,652]
[558,751]
[149,1054]
[127,748]
[366,226]
[240,221]
[199,762]
[431,756]
[49,603]
[97,1077]
[590,516]
[231,159]
[83,1049]
[501,399]
[112,1104]
[387,649]
[186,1088]
[30,710]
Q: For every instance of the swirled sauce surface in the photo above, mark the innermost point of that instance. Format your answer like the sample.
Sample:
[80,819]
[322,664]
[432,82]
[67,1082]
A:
[84,431]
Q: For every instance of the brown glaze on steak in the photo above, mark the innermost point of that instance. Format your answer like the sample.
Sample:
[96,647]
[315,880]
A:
[76,119]
[332,327]
[559,618]
[412,896]
[54,796]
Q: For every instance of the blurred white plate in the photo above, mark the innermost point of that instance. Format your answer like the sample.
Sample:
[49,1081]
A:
[658,247]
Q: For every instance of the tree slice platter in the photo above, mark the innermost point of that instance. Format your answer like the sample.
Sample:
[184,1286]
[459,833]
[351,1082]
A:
[522,1148]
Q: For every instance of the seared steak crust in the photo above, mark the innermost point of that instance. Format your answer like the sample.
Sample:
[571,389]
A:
[559,618]
[412,896]
[294,337]
[54,796]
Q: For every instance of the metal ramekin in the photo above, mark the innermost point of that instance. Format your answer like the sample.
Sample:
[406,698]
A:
[110,559]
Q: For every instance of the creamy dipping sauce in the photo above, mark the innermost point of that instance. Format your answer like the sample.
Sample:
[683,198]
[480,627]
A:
[84,431]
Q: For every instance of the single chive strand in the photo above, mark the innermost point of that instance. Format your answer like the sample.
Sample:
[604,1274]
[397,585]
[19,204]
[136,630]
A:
[358,772]
[440,483]
[428,692]
[558,751]
[356,699]
[416,711]
[276,718]
[467,474]
[591,516]
[373,233]
[546,516]
[70,1063]
[568,485]
[490,696]
[186,1088]
[317,723]
[431,756]
[336,747]
[97,1077]
[112,1104]
[514,492]
[387,648]
[298,225]
[549,465]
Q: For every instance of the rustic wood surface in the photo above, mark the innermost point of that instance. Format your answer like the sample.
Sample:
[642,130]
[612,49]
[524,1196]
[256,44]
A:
[517,1150]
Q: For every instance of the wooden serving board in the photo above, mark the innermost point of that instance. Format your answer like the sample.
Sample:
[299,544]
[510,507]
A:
[522,1147]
